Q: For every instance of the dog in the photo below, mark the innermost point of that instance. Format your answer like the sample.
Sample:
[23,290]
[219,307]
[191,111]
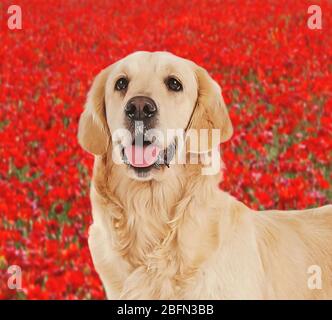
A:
[164,230]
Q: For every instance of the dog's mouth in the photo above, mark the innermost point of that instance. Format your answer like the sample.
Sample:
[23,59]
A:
[144,156]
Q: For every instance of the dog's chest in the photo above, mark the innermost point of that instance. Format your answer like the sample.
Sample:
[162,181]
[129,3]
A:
[140,255]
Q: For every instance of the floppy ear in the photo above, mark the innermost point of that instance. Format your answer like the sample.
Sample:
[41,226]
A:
[93,132]
[209,113]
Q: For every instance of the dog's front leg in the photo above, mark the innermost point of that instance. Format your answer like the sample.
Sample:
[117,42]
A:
[111,268]
[147,284]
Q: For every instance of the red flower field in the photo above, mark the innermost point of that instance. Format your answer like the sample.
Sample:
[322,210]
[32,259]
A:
[276,76]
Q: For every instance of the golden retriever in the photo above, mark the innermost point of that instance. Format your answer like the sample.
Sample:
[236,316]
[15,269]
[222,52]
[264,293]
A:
[163,229]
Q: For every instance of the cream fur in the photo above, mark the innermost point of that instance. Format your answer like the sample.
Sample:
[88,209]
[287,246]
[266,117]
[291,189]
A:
[177,236]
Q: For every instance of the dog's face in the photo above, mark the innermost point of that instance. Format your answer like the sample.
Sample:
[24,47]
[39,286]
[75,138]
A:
[141,104]
[157,89]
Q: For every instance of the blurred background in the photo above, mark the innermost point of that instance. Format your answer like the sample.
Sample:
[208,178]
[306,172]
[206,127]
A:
[276,76]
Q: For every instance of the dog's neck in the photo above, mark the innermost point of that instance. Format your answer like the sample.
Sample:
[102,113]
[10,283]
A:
[144,213]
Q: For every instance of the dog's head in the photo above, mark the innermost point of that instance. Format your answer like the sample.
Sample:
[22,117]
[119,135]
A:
[143,104]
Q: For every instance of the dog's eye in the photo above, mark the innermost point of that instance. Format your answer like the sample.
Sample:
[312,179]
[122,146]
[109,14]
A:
[121,84]
[173,84]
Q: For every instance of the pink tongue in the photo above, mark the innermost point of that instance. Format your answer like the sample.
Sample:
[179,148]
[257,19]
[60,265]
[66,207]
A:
[142,157]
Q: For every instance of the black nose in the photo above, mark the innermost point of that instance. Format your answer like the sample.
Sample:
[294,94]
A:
[140,108]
